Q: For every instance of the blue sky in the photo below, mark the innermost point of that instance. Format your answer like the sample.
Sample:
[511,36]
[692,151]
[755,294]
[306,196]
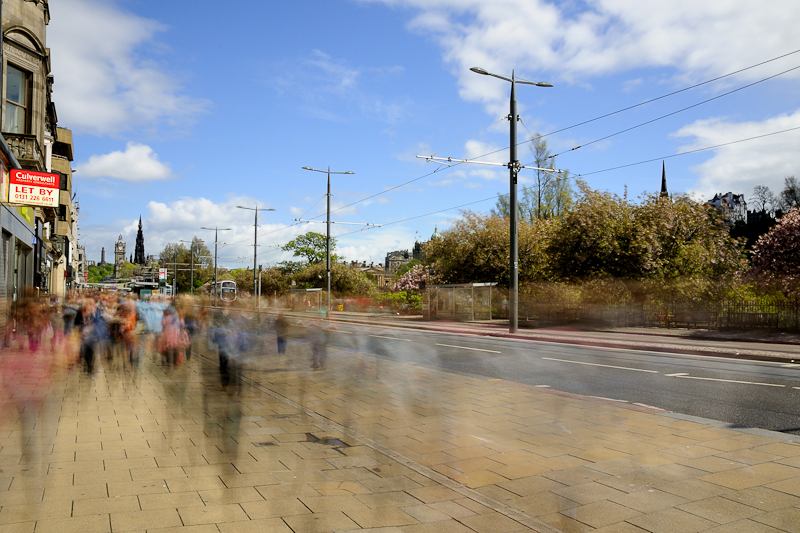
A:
[183,110]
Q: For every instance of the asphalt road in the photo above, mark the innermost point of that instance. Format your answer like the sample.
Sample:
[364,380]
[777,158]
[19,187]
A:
[742,393]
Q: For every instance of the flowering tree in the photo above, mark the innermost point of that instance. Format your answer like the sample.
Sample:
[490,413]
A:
[410,280]
[776,255]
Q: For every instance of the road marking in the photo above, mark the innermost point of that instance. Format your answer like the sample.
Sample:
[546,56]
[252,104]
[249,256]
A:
[494,380]
[393,338]
[598,364]
[648,406]
[542,386]
[468,348]
[679,374]
[609,399]
[687,376]
[790,365]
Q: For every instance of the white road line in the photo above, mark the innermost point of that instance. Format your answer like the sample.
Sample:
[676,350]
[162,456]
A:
[467,348]
[686,376]
[393,338]
[609,399]
[605,366]
[648,406]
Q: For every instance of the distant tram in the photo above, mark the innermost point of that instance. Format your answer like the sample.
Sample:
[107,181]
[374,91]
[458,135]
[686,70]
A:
[227,290]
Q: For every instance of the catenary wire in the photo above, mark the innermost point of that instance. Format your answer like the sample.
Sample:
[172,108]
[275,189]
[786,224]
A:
[689,152]
[599,118]
[676,112]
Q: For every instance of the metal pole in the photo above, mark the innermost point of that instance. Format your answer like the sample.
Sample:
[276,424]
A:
[191,280]
[255,248]
[328,244]
[513,282]
[216,235]
[175,273]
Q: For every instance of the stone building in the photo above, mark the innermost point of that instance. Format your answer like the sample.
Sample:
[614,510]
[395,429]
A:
[39,244]
[732,206]
[119,257]
[394,260]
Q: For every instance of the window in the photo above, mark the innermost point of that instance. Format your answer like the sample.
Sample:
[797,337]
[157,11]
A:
[17,100]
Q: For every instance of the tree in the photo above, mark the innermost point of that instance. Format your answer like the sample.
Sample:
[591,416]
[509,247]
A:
[476,249]
[790,195]
[776,255]
[344,280]
[311,247]
[180,254]
[550,195]
[411,278]
[406,267]
[764,200]
[606,235]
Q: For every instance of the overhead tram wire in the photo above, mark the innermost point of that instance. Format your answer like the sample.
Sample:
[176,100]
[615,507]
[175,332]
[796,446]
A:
[689,152]
[669,94]
[588,121]
[677,111]
[496,196]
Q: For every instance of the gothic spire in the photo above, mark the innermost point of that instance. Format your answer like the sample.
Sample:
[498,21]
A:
[138,255]
[664,193]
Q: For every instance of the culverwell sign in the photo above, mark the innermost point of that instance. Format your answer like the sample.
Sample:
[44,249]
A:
[33,188]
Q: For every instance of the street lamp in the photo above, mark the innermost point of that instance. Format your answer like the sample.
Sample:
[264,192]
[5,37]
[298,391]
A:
[328,240]
[216,240]
[514,167]
[255,245]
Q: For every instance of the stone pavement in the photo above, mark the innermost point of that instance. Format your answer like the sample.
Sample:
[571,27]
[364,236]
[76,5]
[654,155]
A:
[371,444]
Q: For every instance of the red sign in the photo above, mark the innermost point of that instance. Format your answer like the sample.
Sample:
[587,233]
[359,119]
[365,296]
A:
[26,187]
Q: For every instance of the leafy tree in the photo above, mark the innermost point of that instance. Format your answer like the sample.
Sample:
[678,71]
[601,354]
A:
[790,195]
[179,253]
[344,280]
[605,235]
[410,280]
[550,195]
[476,249]
[776,255]
[96,273]
[406,267]
[311,247]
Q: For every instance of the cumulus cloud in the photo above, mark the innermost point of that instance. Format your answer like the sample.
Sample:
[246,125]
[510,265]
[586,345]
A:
[539,37]
[183,219]
[137,163]
[103,82]
[740,167]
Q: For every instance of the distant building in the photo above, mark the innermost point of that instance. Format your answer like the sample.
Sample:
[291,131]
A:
[732,206]
[394,260]
[139,257]
[119,257]
[664,193]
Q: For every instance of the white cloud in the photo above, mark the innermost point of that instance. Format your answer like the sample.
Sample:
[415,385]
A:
[137,163]
[183,219]
[540,38]
[740,167]
[103,84]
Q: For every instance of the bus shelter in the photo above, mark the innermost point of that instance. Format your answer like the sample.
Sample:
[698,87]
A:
[306,299]
[460,301]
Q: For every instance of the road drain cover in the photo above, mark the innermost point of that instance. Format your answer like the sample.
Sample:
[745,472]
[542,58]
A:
[336,443]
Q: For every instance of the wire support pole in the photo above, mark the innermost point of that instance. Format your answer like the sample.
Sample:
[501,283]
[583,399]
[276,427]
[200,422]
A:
[328,237]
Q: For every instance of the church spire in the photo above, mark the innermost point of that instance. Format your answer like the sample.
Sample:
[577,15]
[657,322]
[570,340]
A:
[664,193]
[138,255]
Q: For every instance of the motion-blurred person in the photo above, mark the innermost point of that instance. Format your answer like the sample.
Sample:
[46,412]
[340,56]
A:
[223,336]
[128,319]
[150,313]
[93,330]
[282,332]
[171,329]
[192,324]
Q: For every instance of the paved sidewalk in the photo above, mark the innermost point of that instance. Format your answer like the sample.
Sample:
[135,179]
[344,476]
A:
[415,450]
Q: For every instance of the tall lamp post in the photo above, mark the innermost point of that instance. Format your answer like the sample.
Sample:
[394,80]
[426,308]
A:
[328,240]
[514,167]
[255,248]
[216,240]
[191,268]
